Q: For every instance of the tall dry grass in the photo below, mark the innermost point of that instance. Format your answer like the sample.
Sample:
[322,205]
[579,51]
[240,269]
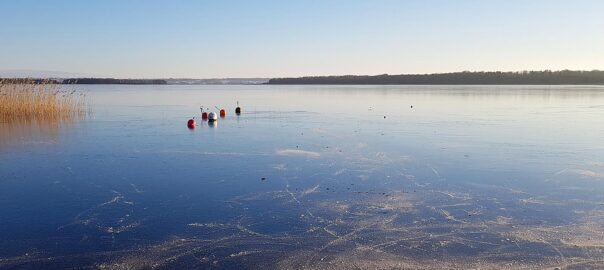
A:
[39,100]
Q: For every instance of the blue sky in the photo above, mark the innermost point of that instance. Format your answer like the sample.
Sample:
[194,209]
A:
[209,39]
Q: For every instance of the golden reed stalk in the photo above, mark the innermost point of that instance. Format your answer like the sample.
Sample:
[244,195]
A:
[39,100]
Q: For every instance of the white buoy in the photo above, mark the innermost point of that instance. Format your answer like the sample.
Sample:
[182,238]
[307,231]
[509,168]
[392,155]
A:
[212,117]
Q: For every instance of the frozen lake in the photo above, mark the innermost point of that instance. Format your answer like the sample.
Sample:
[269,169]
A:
[310,177]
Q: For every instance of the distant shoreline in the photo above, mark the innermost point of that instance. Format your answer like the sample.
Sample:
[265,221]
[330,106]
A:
[113,81]
[84,81]
[107,81]
[564,77]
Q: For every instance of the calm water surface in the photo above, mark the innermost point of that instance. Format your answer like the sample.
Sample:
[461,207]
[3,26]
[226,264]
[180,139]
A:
[310,177]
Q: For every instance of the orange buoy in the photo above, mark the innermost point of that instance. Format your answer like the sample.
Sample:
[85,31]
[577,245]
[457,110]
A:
[191,123]
[222,113]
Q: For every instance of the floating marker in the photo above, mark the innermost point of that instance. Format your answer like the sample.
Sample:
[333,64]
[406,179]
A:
[238,109]
[191,123]
[222,112]
[204,115]
[212,117]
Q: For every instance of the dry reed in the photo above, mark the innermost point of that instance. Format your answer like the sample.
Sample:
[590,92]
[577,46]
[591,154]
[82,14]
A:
[39,100]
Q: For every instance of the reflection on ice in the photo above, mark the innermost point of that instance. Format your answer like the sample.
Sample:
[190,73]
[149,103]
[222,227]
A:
[30,132]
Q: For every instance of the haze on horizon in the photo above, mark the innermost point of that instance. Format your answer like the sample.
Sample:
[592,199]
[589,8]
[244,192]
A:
[218,39]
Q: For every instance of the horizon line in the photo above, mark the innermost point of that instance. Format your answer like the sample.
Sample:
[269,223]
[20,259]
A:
[280,77]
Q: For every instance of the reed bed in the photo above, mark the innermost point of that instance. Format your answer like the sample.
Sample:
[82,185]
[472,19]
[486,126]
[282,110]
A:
[39,100]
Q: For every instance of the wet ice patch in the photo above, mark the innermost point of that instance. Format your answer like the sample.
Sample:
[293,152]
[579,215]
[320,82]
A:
[298,153]
[588,173]
[581,172]
[280,167]
[310,190]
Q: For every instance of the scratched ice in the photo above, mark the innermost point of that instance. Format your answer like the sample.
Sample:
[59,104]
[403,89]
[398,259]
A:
[311,177]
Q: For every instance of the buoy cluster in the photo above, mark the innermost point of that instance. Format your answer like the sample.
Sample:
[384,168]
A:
[210,116]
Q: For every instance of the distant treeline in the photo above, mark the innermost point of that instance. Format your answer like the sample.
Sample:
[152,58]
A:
[27,81]
[524,77]
[112,81]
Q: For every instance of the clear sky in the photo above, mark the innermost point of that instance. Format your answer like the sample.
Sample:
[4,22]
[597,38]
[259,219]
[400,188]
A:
[208,39]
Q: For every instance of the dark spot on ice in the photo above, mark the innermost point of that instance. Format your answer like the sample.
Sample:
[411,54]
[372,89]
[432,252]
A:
[263,178]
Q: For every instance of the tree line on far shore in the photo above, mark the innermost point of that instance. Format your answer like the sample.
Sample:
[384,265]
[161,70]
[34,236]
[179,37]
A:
[546,77]
[82,81]
[113,81]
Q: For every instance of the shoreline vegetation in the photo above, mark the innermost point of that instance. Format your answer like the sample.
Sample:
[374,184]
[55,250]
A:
[39,100]
[547,77]
[112,81]
[86,81]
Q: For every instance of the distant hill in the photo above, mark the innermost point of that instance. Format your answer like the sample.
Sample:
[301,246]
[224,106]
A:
[546,77]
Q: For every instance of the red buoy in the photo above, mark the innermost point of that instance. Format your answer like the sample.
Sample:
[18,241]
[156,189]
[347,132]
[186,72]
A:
[204,116]
[191,123]
[222,113]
